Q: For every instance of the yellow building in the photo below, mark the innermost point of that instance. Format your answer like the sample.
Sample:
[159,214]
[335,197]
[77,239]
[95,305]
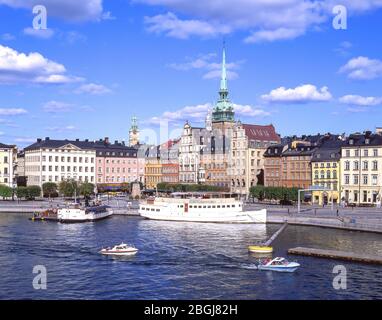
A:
[326,173]
[153,167]
[8,155]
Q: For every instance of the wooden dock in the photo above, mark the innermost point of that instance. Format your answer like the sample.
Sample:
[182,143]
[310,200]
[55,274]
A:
[339,255]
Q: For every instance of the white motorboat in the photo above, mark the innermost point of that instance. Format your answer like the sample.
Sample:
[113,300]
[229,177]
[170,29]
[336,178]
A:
[77,213]
[278,264]
[120,250]
[200,207]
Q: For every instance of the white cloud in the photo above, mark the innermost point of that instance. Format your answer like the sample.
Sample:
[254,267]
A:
[267,20]
[61,128]
[39,33]
[172,26]
[93,89]
[8,37]
[205,63]
[108,16]
[199,112]
[357,100]
[70,10]
[12,111]
[274,35]
[16,67]
[362,68]
[25,140]
[249,111]
[56,107]
[301,94]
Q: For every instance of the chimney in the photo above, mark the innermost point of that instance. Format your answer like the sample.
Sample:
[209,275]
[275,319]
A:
[116,142]
[77,140]
[106,140]
[46,138]
[39,140]
[86,140]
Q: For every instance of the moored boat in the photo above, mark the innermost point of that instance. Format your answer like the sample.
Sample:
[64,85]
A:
[120,250]
[200,207]
[278,264]
[77,213]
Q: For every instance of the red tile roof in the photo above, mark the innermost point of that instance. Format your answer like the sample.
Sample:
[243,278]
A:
[261,133]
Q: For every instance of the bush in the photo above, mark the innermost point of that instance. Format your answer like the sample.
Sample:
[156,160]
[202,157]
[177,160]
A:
[33,192]
[67,188]
[5,191]
[49,189]
[86,189]
[274,193]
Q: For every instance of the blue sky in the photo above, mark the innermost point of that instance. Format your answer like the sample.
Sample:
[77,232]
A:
[101,62]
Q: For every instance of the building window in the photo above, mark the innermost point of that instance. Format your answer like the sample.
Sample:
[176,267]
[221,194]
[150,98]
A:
[365,179]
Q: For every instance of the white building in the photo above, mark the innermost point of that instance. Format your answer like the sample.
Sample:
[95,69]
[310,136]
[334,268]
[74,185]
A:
[361,169]
[189,154]
[57,160]
[8,158]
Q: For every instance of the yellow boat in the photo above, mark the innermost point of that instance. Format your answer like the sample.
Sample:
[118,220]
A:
[260,249]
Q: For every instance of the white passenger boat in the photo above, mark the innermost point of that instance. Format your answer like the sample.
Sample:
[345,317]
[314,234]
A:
[120,250]
[77,213]
[200,207]
[278,264]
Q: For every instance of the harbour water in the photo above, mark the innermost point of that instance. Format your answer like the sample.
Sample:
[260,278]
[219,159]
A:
[176,261]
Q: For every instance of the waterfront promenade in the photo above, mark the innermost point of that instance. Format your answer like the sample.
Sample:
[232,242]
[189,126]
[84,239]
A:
[357,219]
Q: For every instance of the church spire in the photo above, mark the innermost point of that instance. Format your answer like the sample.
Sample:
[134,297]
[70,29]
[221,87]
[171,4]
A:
[223,81]
[223,110]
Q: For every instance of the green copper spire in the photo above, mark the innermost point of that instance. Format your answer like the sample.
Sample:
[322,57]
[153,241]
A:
[223,110]
[223,81]
[134,123]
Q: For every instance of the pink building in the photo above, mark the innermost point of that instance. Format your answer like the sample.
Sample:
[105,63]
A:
[117,163]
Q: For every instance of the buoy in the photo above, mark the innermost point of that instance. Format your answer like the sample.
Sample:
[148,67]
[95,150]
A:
[260,249]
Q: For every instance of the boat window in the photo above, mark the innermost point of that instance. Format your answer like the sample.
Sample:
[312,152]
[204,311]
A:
[204,207]
[233,206]
[181,206]
[147,209]
[190,206]
[157,210]
[228,206]
[200,207]
[152,209]
[239,205]
[209,206]
[223,206]
[213,206]
[218,206]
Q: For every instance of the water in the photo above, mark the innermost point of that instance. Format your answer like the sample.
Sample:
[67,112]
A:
[175,261]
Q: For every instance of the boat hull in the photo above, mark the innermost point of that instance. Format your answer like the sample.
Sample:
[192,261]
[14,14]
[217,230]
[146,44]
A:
[258,216]
[260,249]
[79,216]
[291,267]
[129,253]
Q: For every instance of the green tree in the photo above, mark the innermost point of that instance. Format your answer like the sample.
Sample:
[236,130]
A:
[86,189]
[33,192]
[67,188]
[49,189]
[21,192]
[5,191]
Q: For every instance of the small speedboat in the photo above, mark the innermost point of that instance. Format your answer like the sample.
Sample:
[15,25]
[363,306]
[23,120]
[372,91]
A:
[120,250]
[278,264]
[260,249]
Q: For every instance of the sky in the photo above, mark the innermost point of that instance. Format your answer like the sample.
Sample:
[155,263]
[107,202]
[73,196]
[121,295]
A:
[100,62]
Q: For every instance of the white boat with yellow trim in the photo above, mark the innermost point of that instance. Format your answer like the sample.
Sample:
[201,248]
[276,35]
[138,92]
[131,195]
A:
[200,207]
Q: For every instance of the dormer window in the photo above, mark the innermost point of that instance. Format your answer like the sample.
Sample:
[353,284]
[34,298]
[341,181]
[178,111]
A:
[367,141]
[351,141]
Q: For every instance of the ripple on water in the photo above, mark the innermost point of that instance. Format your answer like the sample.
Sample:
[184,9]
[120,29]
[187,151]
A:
[175,261]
